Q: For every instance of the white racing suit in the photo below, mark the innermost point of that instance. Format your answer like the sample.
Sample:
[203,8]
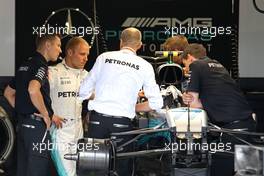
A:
[64,88]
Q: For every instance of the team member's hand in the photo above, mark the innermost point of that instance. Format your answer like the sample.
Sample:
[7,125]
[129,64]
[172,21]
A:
[45,118]
[186,71]
[58,121]
[187,98]
[141,94]
[47,122]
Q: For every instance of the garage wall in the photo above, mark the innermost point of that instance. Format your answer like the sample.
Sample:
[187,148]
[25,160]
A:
[7,36]
[251,57]
[251,39]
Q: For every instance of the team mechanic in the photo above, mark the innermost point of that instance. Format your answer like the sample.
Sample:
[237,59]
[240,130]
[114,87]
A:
[117,77]
[212,88]
[29,93]
[65,79]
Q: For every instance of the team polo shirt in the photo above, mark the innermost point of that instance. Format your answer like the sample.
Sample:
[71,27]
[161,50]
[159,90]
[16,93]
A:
[219,94]
[35,68]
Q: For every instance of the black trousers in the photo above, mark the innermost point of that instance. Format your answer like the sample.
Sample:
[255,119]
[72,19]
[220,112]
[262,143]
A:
[32,154]
[101,126]
[223,163]
[246,125]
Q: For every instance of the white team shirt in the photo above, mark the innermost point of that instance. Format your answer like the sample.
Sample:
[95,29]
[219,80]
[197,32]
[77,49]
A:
[64,86]
[116,78]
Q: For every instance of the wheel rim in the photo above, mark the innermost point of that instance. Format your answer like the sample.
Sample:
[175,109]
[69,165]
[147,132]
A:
[7,135]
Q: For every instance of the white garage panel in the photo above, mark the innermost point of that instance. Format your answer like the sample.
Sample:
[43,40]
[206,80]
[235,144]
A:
[251,40]
[7,36]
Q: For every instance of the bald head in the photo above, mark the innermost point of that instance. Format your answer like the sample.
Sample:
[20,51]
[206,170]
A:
[131,37]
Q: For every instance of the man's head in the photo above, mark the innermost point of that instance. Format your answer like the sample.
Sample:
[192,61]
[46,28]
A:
[176,43]
[131,37]
[193,52]
[49,45]
[77,51]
